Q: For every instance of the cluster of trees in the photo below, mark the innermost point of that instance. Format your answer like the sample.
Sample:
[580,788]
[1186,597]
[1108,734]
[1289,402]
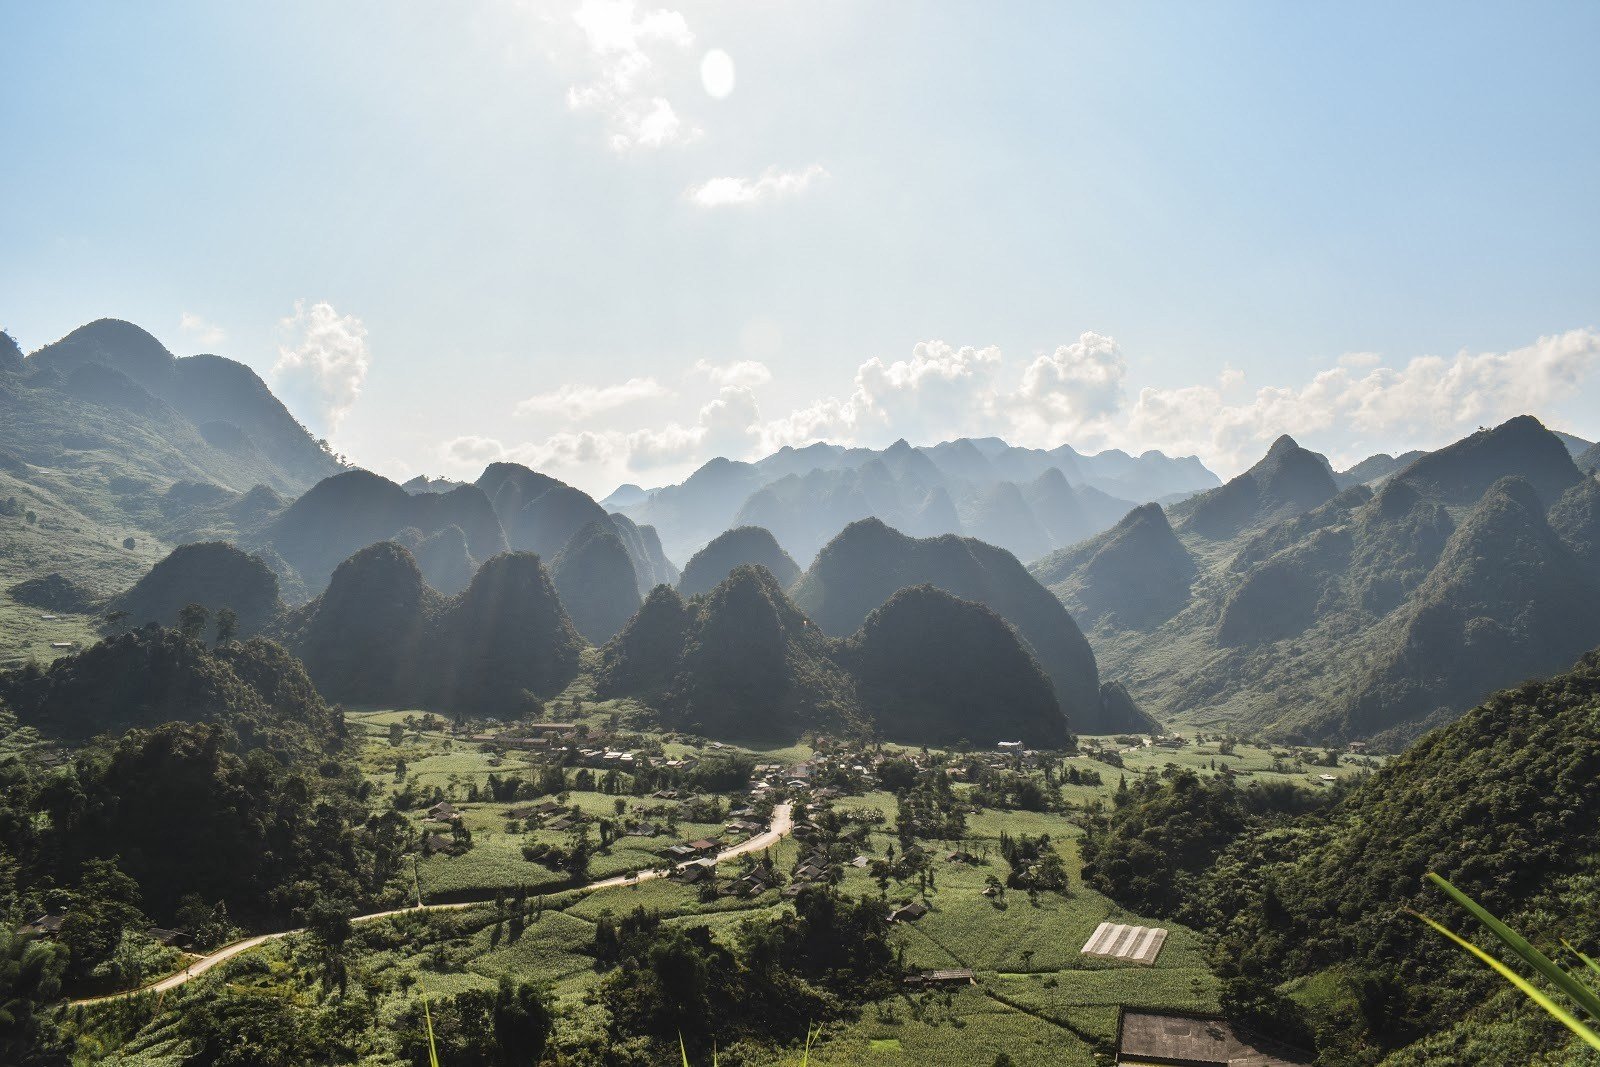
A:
[780,976]
[249,815]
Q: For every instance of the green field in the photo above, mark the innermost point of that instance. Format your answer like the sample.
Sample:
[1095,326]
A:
[1036,997]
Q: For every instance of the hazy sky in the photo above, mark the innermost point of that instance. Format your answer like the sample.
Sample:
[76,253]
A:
[613,239]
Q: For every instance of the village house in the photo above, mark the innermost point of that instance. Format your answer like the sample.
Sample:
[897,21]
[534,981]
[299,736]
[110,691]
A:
[909,913]
[953,976]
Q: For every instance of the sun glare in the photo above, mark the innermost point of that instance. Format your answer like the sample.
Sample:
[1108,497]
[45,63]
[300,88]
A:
[716,74]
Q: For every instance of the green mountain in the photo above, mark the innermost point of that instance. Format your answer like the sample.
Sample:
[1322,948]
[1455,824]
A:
[1134,576]
[868,562]
[1503,802]
[213,574]
[341,515]
[934,669]
[120,451]
[230,405]
[1375,613]
[378,636]
[1576,520]
[734,548]
[1506,600]
[1521,448]
[507,635]
[11,358]
[1589,461]
[739,661]
[540,514]
[1287,481]
[369,638]
[644,658]
[595,579]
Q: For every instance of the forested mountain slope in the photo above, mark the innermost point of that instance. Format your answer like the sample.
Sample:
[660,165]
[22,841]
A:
[1281,604]
[1503,802]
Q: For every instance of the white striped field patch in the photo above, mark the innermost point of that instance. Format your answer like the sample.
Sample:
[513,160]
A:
[1119,941]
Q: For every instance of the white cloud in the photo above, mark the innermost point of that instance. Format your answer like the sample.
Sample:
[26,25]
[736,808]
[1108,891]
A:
[327,361]
[746,372]
[773,184]
[1079,393]
[1426,403]
[1073,389]
[207,333]
[585,401]
[620,39]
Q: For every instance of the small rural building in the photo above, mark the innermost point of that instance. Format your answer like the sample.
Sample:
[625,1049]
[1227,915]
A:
[910,913]
[704,846]
[953,976]
[175,938]
[43,925]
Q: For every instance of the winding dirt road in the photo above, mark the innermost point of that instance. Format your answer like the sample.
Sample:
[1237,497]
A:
[782,823]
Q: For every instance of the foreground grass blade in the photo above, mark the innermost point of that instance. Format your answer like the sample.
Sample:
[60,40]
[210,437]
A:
[427,1017]
[1581,994]
[1587,962]
[1568,1020]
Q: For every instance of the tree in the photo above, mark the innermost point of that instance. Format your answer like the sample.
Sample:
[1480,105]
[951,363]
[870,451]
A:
[30,978]
[192,619]
[328,921]
[227,625]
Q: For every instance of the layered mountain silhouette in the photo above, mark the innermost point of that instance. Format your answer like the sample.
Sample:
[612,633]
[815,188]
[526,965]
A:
[542,514]
[742,545]
[1311,614]
[595,579]
[380,636]
[108,437]
[343,514]
[869,562]
[1027,501]
[741,660]
[737,661]
[227,402]
[444,557]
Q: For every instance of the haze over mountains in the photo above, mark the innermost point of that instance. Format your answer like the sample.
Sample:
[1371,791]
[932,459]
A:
[1025,500]
[1295,600]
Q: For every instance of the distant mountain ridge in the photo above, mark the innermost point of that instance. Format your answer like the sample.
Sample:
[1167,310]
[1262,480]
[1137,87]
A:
[227,401]
[1027,501]
[1283,604]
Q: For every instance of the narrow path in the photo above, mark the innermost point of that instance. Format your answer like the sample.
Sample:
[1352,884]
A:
[782,823]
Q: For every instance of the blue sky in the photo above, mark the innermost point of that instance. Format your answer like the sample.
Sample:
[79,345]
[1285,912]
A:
[454,232]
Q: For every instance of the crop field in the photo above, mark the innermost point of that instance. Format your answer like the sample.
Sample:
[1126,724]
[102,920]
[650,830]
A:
[1036,997]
